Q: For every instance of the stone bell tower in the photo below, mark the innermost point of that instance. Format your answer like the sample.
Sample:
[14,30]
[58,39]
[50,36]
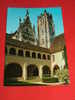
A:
[45,29]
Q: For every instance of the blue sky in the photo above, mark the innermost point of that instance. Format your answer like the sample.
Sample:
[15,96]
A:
[13,15]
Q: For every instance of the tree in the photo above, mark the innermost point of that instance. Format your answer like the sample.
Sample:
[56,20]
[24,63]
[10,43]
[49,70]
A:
[63,75]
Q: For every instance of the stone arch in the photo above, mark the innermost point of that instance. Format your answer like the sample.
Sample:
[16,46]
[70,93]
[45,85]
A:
[33,55]
[48,57]
[13,71]
[12,51]
[32,71]
[56,67]
[44,56]
[46,71]
[39,56]
[27,53]
[20,53]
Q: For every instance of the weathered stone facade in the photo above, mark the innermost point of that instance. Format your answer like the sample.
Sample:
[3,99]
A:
[33,61]
[45,29]
[25,31]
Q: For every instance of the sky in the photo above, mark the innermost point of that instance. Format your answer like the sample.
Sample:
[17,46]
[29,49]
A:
[14,14]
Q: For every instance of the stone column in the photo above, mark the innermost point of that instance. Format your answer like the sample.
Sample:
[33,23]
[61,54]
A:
[16,51]
[24,52]
[40,72]
[24,75]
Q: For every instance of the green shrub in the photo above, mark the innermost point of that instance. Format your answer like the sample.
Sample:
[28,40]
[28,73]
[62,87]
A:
[63,75]
[50,80]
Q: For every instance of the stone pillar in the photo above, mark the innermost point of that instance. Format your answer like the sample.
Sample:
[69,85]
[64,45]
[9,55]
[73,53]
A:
[24,75]
[16,51]
[24,52]
[40,72]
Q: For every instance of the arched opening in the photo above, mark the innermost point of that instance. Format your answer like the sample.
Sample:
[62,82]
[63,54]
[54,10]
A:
[27,54]
[12,71]
[44,56]
[32,72]
[39,56]
[33,55]
[20,53]
[46,71]
[48,56]
[56,67]
[12,51]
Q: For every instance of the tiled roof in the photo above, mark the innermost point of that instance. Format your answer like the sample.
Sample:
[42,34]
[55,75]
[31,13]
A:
[25,45]
[10,35]
[58,44]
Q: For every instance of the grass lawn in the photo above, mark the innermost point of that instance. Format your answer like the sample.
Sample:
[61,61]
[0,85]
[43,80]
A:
[22,84]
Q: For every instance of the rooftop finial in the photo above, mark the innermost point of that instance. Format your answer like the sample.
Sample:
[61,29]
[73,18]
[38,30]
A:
[45,11]
[27,13]
[19,20]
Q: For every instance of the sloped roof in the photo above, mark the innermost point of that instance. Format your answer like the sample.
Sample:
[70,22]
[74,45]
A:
[25,45]
[10,35]
[58,44]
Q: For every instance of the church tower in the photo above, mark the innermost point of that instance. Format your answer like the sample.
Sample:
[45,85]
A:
[45,29]
[25,30]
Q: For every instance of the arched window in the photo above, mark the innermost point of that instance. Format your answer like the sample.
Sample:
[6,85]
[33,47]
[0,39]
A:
[6,51]
[39,56]
[20,53]
[27,54]
[44,56]
[12,51]
[33,55]
[48,56]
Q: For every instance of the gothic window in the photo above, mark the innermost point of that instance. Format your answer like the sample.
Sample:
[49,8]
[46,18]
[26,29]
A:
[43,21]
[44,56]
[27,54]
[20,53]
[45,25]
[33,55]
[42,41]
[48,57]
[27,30]
[39,56]
[12,51]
